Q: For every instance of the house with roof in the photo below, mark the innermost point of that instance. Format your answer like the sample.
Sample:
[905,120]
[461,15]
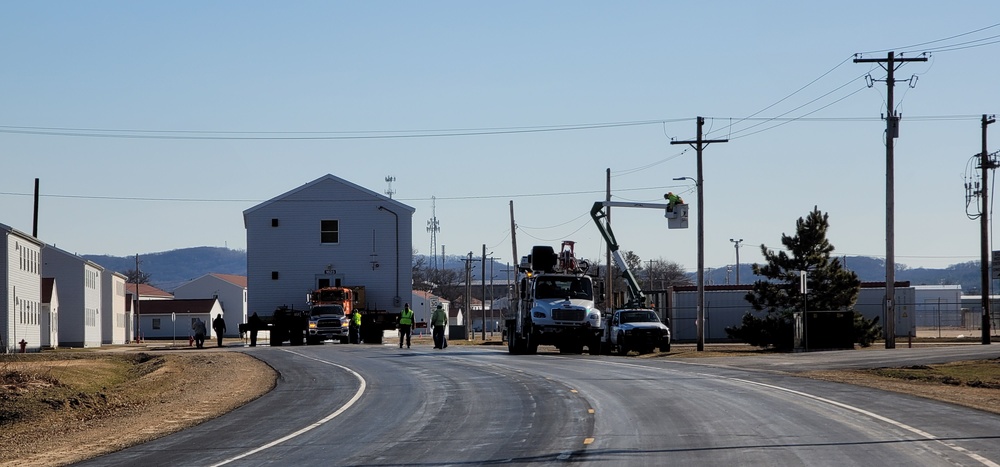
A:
[79,296]
[135,297]
[166,319]
[229,289]
[20,289]
[423,304]
[328,232]
[114,319]
[50,313]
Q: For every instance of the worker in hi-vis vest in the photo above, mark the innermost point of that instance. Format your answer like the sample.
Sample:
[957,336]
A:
[405,325]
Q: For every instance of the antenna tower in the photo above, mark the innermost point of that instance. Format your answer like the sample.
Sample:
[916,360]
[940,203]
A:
[389,191]
[434,227]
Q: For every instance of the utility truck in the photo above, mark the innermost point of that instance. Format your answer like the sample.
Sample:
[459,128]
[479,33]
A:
[330,310]
[634,326]
[556,304]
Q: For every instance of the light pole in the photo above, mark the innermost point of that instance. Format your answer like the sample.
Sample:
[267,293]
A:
[700,320]
[736,243]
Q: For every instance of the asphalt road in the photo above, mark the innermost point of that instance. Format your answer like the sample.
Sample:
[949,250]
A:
[380,405]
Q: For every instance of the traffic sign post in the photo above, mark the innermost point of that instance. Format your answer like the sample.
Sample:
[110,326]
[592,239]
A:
[173,320]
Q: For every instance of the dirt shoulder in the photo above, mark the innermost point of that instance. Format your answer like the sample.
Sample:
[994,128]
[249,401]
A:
[59,409]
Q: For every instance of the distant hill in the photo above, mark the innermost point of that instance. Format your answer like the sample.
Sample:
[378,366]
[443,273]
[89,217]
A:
[169,269]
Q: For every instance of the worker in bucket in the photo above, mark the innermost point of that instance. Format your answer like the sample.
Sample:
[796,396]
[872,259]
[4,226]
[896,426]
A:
[672,200]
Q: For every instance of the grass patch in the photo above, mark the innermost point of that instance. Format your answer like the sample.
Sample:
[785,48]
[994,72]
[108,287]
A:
[975,373]
[84,384]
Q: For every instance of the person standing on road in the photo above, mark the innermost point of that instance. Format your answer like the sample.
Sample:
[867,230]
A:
[439,319]
[355,327]
[198,326]
[254,323]
[405,325]
[219,325]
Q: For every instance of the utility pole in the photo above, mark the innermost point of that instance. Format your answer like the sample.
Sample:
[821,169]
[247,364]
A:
[736,243]
[468,296]
[985,163]
[482,278]
[609,278]
[890,64]
[699,145]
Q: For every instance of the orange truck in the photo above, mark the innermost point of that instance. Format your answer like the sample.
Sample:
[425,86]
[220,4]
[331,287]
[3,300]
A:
[330,310]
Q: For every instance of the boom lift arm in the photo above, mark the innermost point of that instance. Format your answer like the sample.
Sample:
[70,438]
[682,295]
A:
[637,299]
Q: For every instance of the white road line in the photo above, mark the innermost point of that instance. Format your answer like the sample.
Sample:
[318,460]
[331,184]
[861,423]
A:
[354,399]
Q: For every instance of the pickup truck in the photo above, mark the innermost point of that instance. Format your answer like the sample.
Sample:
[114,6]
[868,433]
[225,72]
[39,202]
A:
[327,322]
[638,329]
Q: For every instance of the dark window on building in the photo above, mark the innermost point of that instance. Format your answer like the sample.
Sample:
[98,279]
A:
[274,222]
[156,323]
[329,232]
[274,275]
[324,283]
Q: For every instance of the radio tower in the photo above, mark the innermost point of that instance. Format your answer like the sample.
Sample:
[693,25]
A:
[433,227]
[389,191]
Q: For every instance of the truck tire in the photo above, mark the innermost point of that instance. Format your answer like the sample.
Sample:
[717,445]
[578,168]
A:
[512,343]
[665,348]
[531,346]
[622,348]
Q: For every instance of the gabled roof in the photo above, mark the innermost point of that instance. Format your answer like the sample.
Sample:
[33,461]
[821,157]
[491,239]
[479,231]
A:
[232,279]
[146,290]
[181,307]
[364,192]
[26,236]
[429,296]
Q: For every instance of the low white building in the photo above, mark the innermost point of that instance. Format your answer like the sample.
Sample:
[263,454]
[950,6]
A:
[79,296]
[20,290]
[725,306]
[938,305]
[166,319]
[229,289]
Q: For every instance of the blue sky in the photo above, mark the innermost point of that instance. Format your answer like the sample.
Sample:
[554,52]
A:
[152,126]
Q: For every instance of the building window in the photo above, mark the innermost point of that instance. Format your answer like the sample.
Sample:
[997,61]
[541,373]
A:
[329,232]
[156,323]
[274,222]
[274,275]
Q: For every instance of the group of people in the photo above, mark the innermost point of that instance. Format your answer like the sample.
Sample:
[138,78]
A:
[199,330]
[439,319]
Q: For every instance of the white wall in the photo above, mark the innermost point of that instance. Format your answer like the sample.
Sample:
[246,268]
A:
[80,297]
[232,299]
[21,278]
[113,319]
[293,249]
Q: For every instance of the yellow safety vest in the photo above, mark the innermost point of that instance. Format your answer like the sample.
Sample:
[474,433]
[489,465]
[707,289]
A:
[356,318]
[406,317]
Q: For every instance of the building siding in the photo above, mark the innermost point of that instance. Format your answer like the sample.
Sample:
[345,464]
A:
[366,254]
[22,311]
[80,297]
[114,321]
[232,299]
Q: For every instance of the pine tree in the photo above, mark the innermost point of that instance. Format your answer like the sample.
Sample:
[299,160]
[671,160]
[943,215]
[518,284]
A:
[830,286]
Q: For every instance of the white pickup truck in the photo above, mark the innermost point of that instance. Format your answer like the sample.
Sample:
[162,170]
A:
[638,329]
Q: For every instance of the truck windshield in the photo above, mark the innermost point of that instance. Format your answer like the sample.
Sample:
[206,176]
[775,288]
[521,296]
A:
[327,310]
[564,287]
[639,316]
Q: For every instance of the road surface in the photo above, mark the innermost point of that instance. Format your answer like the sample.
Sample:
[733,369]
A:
[380,405]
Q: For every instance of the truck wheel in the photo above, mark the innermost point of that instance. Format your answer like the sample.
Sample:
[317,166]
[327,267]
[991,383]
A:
[622,348]
[665,348]
[532,343]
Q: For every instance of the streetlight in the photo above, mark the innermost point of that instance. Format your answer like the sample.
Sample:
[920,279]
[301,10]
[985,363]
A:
[700,320]
[736,243]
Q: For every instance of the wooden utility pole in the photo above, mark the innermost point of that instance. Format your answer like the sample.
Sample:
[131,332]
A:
[890,64]
[699,144]
[609,278]
[985,163]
